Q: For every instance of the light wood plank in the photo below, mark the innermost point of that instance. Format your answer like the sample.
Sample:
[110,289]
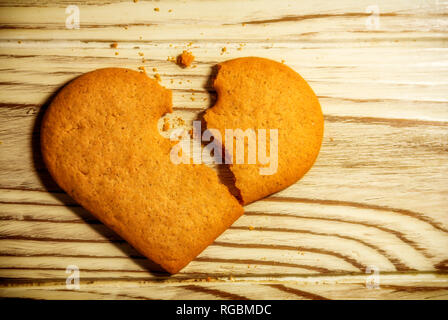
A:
[377,195]
[420,286]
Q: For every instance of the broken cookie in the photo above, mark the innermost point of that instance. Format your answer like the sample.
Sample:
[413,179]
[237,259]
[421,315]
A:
[101,144]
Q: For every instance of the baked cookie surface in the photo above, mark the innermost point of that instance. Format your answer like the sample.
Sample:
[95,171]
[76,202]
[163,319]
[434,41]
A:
[101,144]
[257,93]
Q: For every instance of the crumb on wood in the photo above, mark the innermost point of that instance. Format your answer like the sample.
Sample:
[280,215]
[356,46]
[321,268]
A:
[223,50]
[114,45]
[135,1]
[142,69]
[166,124]
[185,59]
[157,9]
[141,54]
[157,77]
[170,10]
[251,228]
[116,53]
[180,121]
[154,69]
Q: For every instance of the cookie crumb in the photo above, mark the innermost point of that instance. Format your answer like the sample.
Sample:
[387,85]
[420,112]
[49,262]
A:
[157,77]
[19,42]
[156,9]
[251,228]
[114,45]
[116,53]
[209,279]
[223,50]
[180,121]
[142,69]
[141,54]
[185,59]
[170,10]
[166,125]
[135,1]
[154,69]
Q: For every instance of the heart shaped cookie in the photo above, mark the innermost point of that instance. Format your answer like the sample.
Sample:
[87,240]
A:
[258,94]
[101,144]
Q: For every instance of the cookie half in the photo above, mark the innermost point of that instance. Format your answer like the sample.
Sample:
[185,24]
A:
[257,93]
[101,144]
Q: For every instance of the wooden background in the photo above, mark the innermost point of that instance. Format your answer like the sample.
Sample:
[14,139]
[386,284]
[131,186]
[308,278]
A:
[377,196]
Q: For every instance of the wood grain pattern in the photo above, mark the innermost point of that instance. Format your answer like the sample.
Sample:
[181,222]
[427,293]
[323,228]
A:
[377,196]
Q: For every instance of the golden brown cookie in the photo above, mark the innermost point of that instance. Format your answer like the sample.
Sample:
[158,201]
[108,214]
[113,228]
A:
[259,93]
[185,59]
[101,144]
